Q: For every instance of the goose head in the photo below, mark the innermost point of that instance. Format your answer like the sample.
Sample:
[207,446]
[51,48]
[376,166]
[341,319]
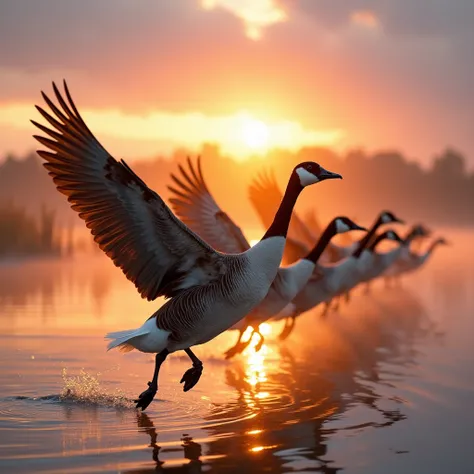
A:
[392,235]
[344,224]
[420,230]
[387,217]
[309,172]
[442,241]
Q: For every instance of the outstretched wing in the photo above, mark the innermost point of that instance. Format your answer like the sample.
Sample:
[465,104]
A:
[294,251]
[312,223]
[195,206]
[129,221]
[266,196]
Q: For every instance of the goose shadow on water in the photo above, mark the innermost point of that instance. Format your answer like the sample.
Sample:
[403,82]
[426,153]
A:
[300,393]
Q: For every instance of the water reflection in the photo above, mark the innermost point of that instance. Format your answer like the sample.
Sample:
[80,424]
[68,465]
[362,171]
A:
[299,394]
[401,357]
[190,451]
[41,283]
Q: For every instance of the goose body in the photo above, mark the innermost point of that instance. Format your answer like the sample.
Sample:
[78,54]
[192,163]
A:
[337,278]
[374,263]
[326,282]
[407,257]
[413,261]
[209,290]
[194,204]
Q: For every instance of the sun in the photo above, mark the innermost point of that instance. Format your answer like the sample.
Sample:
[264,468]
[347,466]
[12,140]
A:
[255,134]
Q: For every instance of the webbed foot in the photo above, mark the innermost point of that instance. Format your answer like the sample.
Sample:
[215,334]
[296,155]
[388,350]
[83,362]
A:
[146,397]
[191,377]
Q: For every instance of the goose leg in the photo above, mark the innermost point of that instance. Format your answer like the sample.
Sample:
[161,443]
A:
[259,344]
[367,288]
[288,329]
[348,296]
[239,346]
[336,304]
[191,376]
[146,397]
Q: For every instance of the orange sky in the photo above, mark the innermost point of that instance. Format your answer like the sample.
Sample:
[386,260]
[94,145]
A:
[247,74]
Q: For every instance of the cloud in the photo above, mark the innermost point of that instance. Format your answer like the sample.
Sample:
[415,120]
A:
[365,19]
[190,129]
[256,14]
[405,83]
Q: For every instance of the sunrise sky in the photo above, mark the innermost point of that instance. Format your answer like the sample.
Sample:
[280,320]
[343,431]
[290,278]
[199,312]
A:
[149,76]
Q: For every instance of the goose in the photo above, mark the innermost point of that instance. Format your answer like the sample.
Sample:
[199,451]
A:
[207,291]
[415,261]
[373,263]
[350,279]
[265,194]
[417,232]
[377,263]
[333,279]
[194,204]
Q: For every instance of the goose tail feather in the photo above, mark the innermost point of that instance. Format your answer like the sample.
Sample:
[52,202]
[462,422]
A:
[123,339]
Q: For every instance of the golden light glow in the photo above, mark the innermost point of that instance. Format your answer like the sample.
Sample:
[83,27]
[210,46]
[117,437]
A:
[239,134]
[255,134]
[254,432]
[265,329]
[256,14]
[254,242]
[257,449]
[365,19]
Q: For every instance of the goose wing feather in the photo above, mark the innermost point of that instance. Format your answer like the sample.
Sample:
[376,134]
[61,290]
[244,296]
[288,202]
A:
[130,222]
[294,250]
[194,204]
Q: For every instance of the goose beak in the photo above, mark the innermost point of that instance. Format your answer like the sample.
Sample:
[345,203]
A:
[325,174]
[358,227]
[399,221]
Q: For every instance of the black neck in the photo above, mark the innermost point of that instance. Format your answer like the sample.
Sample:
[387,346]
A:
[281,221]
[409,237]
[432,247]
[411,234]
[377,241]
[366,239]
[322,243]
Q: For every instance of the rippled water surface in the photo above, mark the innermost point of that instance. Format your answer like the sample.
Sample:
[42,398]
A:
[386,385]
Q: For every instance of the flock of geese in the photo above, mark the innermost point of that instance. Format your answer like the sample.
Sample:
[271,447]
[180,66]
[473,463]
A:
[198,258]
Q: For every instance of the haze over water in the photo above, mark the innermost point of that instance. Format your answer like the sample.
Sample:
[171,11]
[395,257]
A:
[384,386]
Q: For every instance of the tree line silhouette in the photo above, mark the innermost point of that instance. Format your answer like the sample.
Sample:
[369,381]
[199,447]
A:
[440,195]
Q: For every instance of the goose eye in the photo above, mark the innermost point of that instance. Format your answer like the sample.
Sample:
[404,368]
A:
[309,167]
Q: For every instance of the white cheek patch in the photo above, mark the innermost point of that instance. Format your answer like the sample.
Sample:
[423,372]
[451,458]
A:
[306,178]
[386,219]
[391,236]
[341,226]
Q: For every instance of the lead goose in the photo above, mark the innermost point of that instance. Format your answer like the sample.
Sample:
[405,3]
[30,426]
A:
[209,291]
[194,204]
[265,194]
[415,261]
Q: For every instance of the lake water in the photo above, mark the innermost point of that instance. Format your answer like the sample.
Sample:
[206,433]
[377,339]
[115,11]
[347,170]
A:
[386,385]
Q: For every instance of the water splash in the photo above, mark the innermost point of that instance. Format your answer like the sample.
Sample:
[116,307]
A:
[86,388]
